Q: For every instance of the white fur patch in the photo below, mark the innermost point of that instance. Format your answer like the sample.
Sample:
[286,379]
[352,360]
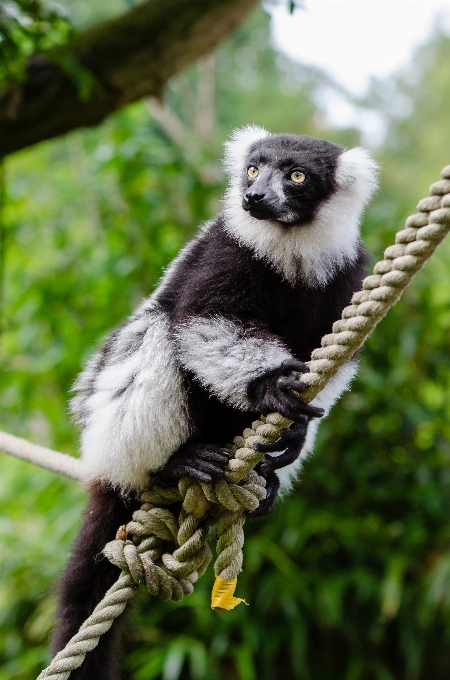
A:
[237,147]
[225,357]
[326,399]
[134,410]
[315,251]
[357,172]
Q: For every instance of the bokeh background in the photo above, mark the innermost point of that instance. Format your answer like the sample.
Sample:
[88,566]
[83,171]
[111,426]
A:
[350,578]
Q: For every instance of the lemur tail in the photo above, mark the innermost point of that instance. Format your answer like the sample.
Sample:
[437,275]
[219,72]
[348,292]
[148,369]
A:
[86,579]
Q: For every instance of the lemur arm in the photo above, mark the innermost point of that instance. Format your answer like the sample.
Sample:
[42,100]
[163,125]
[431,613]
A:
[224,340]
[242,363]
[226,355]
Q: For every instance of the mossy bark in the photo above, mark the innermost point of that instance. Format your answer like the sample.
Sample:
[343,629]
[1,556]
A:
[129,57]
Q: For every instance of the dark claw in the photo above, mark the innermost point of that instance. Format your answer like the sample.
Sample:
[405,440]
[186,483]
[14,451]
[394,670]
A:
[273,484]
[209,468]
[197,461]
[193,474]
[291,382]
[294,408]
[295,412]
[215,456]
[291,365]
[286,458]
[287,436]
[279,389]
[290,443]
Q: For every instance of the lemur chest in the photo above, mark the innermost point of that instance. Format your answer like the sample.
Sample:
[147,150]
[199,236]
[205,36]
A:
[298,315]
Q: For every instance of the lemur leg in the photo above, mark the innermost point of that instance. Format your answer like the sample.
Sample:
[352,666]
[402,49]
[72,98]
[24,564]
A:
[204,462]
[88,576]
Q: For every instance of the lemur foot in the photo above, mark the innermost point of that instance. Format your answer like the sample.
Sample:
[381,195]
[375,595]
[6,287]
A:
[204,462]
[274,391]
[272,485]
[291,442]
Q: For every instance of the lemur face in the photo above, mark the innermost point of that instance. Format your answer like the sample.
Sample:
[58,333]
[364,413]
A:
[288,177]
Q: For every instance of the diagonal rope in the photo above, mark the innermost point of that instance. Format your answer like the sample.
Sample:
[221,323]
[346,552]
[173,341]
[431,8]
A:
[169,553]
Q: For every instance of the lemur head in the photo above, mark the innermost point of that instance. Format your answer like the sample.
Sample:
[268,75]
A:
[289,177]
[297,201]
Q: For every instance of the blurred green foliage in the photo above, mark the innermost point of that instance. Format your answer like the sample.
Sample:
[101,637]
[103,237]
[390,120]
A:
[350,578]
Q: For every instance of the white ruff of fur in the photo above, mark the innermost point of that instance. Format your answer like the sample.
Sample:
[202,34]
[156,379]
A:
[313,252]
[330,394]
[237,147]
[135,414]
[225,358]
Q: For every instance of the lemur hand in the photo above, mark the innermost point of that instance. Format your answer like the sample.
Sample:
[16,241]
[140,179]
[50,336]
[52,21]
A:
[273,392]
[197,461]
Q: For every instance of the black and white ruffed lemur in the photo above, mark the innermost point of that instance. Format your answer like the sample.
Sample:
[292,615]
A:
[222,339]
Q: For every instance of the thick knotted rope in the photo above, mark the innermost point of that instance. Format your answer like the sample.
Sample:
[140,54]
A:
[166,553]
[169,553]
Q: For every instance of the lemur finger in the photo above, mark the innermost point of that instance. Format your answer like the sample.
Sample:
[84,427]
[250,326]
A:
[294,409]
[286,458]
[290,434]
[209,468]
[215,455]
[294,365]
[285,382]
[313,411]
[278,445]
[297,405]
[194,473]
[306,409]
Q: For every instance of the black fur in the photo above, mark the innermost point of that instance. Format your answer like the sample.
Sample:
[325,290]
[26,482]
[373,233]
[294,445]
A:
[224,278]
[221,277]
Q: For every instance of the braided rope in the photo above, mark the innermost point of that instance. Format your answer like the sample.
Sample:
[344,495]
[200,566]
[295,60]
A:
[167,553]
[42,456]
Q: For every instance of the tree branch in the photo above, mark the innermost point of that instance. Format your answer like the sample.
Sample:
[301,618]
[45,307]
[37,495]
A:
[130,57]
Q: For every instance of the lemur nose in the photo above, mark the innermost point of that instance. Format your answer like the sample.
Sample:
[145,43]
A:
[253,196]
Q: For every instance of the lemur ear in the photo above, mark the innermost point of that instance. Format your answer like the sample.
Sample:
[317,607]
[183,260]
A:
[237,146]
[357,172]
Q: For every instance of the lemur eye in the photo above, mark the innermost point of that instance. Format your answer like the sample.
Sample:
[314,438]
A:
[298,176]
[252,172]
